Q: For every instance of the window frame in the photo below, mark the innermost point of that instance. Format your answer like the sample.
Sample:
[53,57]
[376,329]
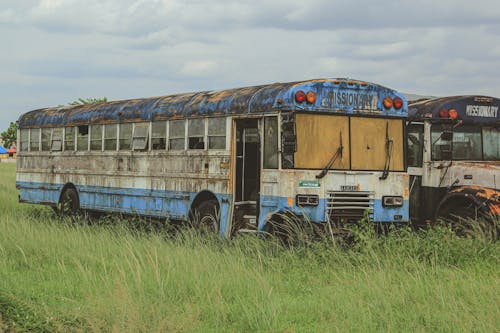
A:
[169,134]
[217,135]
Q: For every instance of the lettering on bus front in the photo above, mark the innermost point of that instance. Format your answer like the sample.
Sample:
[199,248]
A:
[355,100]
[481,111]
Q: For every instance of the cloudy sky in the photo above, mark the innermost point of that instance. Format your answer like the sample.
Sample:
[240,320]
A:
[55,51]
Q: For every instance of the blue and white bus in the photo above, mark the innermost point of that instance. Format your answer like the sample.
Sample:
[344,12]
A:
[329,150]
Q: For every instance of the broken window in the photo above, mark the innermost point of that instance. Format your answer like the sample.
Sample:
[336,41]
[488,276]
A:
[270,142]
[56,144]
[196,133]
[415,145]
[24,140]
[466,144]
[216,133]
[110,131]
[176,135]
[69,138]
[46,133]
[82,138]
[491,144]
[141,136]
[125,136]
[159,135]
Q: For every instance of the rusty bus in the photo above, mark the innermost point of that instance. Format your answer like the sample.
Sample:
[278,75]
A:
[329,150]
[454,158]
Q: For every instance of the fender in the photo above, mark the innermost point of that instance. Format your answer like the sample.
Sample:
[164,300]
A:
[486,199]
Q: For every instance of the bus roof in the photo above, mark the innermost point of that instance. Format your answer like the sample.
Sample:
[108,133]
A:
[470,109]
[332,95]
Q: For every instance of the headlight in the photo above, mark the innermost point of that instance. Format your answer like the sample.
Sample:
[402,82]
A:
[392,201]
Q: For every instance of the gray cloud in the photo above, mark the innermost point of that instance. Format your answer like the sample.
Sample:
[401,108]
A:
[55,51]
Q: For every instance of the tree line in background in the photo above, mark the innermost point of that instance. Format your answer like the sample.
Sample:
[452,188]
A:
[9,136]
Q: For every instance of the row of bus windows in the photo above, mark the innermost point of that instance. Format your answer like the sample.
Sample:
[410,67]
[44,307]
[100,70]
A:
[206,133]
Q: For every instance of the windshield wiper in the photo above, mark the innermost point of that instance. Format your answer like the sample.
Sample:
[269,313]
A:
[337,154]
[388,153]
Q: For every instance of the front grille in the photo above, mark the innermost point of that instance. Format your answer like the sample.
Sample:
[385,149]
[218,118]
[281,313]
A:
[348,207]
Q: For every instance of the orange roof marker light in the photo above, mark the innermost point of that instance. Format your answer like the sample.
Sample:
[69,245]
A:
[311,97]
[453,114]
[387,102]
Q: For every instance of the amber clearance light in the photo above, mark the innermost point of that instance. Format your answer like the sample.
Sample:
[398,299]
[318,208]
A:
[301,96]
[311,97]
[387,102]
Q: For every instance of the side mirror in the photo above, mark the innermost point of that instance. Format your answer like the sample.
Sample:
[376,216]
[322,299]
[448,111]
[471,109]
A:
[447,135]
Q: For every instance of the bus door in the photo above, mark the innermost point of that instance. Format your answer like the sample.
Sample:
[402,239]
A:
[415,156]
[247,173]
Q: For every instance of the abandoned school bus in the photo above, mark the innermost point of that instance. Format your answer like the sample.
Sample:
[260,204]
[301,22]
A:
[454,158]
[329,150]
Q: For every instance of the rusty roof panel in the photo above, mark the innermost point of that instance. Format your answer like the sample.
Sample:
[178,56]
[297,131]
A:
[248,100]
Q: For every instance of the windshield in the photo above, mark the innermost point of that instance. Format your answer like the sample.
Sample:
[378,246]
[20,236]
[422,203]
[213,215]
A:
[468,144]
[367,143]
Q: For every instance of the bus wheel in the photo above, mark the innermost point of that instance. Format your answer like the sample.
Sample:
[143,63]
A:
[461,216]
[69,204]
[206,216]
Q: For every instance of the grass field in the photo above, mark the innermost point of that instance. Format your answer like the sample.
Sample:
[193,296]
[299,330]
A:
[57,276]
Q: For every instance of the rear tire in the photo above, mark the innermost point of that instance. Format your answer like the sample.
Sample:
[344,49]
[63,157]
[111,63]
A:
[206,216]
[69,204]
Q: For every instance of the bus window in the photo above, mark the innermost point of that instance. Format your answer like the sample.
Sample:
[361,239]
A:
[69,139]
[82,138]
[196,132]
[35,139]
[159,135]
[110,131]
[125,137]
[96,137]
[466,144]
[56,144]
[415,145]
[216,133]
[140,138]
[271,142]
[491,144]
[46,133]
[176,133]
[24,140]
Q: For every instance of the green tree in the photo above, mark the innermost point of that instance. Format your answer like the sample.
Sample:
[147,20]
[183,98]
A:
[10,135]
[85,101]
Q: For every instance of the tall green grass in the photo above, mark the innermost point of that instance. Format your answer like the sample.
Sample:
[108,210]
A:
[61,275]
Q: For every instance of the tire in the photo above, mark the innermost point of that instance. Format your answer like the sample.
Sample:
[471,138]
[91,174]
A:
[69,204]
[460,217]
[206,216]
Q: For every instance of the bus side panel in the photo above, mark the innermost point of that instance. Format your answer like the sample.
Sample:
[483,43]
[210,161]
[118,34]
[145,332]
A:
[39,193]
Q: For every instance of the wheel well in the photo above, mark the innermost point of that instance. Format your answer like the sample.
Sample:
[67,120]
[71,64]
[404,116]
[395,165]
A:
[202,197]
[453,201]
[67,186]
